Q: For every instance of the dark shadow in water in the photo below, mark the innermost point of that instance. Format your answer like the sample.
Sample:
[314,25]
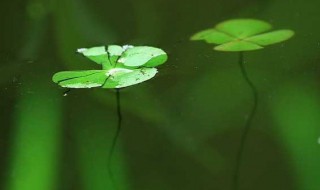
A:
[7,105]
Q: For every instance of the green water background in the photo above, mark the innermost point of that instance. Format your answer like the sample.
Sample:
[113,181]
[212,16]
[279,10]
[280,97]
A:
[181,130]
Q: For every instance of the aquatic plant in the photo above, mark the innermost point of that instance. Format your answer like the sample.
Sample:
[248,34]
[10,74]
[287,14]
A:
[240,35]
[122,66]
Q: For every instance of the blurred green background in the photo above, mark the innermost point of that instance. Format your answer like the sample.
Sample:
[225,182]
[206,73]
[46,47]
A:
[181,130]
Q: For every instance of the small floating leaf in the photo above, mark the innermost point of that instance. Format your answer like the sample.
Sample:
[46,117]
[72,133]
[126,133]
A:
[271,37]
[241,28]
[213,36]
[238,46]
[96,54]
[242,35]
[115,52]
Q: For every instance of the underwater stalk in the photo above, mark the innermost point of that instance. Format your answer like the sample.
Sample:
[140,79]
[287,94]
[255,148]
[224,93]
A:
[248,123]
[115,138]
[65,93]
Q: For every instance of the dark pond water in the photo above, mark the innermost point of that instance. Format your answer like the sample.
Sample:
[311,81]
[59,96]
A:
[181,130]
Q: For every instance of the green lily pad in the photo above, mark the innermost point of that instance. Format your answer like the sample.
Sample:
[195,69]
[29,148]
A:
[115,72]
[242,35]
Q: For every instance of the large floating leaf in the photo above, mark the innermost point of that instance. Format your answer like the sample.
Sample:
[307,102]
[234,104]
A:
[143,55]
[125,79]
[80,79]
[242,35]
[64,75]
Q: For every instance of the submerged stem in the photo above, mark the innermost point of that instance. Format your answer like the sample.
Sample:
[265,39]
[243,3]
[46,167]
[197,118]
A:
[248,123]
[115,138]
[65,93]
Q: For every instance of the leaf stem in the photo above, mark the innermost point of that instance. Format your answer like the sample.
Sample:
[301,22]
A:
[115,138]
[248,123]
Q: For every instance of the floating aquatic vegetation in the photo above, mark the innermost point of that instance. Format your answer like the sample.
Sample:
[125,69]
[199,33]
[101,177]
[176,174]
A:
[242,35]
[122,66]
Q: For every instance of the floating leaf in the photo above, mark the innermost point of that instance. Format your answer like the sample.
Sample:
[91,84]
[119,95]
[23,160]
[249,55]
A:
[80,79]
[121,80]
[96,54]
[271,37]
[242,35]
[143,55]
[213,36]
[72,74]
[115,73]
[241,28]
[115,52]
[238,46]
